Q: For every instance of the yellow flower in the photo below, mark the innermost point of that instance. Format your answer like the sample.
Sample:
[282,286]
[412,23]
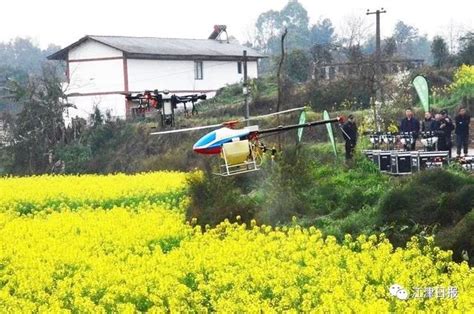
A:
[99,244]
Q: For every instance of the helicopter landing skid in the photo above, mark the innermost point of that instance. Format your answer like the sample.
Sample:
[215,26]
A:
[227,171]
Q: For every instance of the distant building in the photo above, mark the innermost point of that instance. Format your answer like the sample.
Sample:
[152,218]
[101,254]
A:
[102,69]
[330,71]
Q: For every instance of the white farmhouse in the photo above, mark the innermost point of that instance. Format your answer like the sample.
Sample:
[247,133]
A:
[100,70]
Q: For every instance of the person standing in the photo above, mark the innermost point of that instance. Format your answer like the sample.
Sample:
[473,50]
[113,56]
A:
[436,128]
[410,125]
[350,136]
[428,127]
[446,127]
[462,121]
[427,124]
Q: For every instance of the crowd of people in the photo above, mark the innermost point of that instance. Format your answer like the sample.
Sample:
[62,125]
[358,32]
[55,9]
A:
[441,125]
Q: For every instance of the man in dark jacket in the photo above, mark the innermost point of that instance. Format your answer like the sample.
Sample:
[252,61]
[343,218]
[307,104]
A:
[350,136]
[410,125]
[427,124]
[462,121]
[438,132]
[444,128]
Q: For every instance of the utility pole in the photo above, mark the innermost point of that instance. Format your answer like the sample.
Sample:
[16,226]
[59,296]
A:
[246,89]
[378,63]
[377,32]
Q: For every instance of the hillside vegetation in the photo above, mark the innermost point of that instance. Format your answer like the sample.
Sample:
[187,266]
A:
[308,186]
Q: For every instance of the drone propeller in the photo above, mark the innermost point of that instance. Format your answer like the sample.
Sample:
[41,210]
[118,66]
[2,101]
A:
[228,123]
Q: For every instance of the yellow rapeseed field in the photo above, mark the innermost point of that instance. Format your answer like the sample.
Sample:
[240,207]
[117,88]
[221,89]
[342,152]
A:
[94,252]
[58,192]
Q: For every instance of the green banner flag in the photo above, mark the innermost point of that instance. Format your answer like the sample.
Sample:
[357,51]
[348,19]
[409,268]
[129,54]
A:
[301,121]
[330,133]
[421,87]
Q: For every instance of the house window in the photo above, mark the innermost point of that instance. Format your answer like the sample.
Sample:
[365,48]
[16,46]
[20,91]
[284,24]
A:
[198,73]
[239,67]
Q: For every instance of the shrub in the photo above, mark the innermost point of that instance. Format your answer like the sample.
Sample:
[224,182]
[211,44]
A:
[309,184]
[214,198]
[358,222]
[459,238]
[425,203]
[76,157]
[436,196]
[288,187]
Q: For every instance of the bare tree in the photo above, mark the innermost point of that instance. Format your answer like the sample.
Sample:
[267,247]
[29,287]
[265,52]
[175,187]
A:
[250,35]
[267,26]
[354,30]
[453,31]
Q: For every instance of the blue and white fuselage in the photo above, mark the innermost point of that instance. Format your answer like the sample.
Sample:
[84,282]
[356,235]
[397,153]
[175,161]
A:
[212,142]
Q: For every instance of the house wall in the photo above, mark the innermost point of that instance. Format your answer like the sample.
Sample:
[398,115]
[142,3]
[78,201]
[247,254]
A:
[99,76]
[178,75]
[92,49]
[114,103]
[95,70]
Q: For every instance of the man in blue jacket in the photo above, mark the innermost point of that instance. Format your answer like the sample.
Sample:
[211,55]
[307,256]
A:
[410,125]
[462,121]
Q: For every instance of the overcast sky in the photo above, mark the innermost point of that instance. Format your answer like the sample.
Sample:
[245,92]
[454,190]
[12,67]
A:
[64,21]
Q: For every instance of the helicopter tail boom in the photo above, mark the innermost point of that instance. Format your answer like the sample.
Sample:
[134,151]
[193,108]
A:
[282,128]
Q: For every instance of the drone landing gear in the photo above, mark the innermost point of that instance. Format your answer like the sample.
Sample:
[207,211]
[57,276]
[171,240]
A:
[194,110]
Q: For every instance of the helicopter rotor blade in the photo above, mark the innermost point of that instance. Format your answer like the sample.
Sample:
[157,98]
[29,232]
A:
[188,129]
[227,123]
[273,114]
[330,132]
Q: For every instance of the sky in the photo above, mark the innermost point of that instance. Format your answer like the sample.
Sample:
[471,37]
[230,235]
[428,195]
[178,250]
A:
[64,21]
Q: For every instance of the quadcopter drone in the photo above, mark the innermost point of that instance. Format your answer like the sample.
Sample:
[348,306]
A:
[164,104]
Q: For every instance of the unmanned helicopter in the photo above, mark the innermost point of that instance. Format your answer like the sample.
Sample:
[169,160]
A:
[240,149]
